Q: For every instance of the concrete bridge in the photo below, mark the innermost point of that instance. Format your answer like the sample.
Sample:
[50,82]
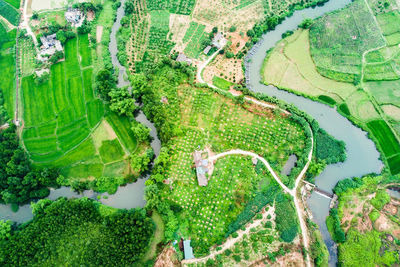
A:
[320,191]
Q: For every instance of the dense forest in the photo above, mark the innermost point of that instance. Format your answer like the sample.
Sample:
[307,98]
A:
[81,232]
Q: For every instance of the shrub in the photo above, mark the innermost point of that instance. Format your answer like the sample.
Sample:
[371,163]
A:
[374,215]
[381,199]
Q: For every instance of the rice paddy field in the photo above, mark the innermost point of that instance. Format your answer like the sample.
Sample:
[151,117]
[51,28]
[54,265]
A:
[9,12]
[350,58]
[67,126]
[7,66]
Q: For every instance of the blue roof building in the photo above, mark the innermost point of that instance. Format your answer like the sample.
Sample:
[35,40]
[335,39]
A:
[188,250]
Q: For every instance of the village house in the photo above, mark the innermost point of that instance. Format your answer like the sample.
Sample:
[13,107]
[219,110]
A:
[75,17]
[50,45]
[183,58]
[201,168]
[219,41]
[188,250]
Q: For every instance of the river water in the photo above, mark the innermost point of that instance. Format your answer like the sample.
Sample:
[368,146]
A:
[362,155]
[126,197]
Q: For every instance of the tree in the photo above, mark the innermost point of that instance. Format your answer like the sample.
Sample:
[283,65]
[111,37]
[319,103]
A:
[232,28]
[129,8]
[105,82]
[229,54]
[214,30]
[305,24]
[61,36]
[121,102]
[142,133]
[5,230]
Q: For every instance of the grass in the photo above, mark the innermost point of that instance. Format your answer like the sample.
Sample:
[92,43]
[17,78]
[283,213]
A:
[221,83]
[207,119]
[111,151]
[14,3]
[385,136]
[9,12]
[338,47]
[157,238]
[7,66]
[290,65]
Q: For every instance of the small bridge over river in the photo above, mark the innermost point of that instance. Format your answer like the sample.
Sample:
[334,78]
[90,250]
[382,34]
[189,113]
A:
[320,191]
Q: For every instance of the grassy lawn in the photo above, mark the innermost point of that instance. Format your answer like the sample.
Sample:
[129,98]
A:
[221,83]
[157,238]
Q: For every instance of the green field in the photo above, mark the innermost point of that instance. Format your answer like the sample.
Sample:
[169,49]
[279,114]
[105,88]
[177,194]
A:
[338,40]
[221,83]
[184,7]
[7,66]
[350,59]
[59,129]
[194,37]
[386,139]
[14,3]
[9,12]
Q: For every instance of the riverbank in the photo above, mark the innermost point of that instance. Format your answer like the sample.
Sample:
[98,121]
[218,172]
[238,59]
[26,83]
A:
[362,155]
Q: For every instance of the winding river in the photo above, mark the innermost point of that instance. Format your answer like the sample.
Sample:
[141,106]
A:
[362,155]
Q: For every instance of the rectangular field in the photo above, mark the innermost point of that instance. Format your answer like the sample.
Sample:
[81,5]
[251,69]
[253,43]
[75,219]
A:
[385,137]
[9,13]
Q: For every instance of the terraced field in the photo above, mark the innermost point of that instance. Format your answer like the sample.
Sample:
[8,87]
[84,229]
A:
[64,122]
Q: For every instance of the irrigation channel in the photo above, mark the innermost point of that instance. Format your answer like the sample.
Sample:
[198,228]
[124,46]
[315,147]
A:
[126,197]
[362,155]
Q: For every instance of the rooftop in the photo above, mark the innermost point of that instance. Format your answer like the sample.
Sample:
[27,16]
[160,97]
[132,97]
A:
[188,250]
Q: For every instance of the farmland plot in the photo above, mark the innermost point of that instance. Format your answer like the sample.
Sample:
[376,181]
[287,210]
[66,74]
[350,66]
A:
[9,13]
[59,128]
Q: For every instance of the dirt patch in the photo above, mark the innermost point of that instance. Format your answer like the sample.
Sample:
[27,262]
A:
[99,33]
[238,41]
[228,69]
[178,24]
[109,130]
[90,16]
[167,258]
[225,14]
[382,223]
[390,208]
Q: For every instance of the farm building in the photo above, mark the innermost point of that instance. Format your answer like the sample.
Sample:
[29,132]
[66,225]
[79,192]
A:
[218,41]
[207,49]
[182,58]
[188,250]
[75,17]
[201,168]
[50,45]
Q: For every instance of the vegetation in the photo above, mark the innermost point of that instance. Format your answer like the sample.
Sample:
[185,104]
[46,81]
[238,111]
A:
[349,66]
[95,234]
[9,12]
[365,214]
[329,149]
[184,125]
[88,138]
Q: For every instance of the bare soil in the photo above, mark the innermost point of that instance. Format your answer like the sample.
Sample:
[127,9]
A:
[167,258]
[99,33]
[228,69]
